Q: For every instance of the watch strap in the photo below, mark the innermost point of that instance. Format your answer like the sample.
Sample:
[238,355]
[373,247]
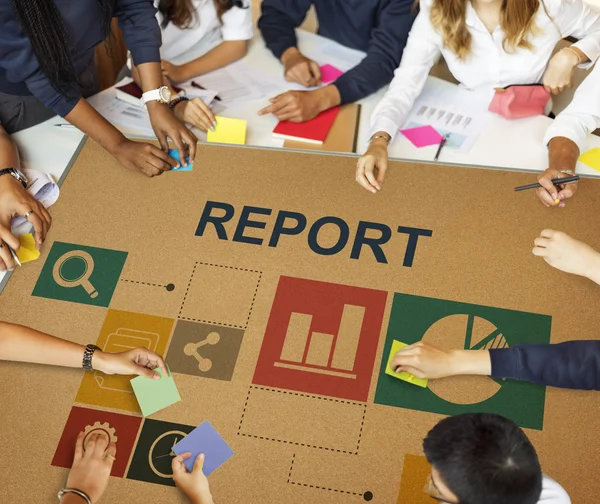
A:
[87,356]
[14,173]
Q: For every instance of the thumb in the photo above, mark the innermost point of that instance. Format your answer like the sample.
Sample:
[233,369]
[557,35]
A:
[199,463]
[146,372]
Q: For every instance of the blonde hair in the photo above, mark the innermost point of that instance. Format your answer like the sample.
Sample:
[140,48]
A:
[516,20]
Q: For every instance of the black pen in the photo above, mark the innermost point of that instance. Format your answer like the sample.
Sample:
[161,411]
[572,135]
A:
[442,143]
[196,85]
[558,181]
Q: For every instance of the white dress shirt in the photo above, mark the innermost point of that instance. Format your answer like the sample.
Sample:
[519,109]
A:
[205,30]
[553,493]
[582,116]
[488,66]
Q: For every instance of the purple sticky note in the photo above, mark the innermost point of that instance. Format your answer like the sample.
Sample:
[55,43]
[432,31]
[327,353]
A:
[329,73]
[204,439]
[422,136]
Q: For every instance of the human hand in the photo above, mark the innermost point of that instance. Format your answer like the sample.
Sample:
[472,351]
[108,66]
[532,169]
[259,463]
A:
[300,69]
[166,125]
[295,106]
[559,72]
[143,157]
[549,193]
[139,361]
[424,360]
[91,467]
[567,254]
[371,167]
[194,485]
[175,73]
[16,200]
[196,113]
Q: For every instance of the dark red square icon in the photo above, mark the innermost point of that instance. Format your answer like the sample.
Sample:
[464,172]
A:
[321,338]
[122,429]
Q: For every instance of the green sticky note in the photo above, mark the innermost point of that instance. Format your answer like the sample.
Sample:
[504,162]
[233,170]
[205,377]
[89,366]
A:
[403,375]
[155,395]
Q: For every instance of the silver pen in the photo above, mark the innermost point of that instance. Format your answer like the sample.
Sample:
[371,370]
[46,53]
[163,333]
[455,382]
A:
[13,253]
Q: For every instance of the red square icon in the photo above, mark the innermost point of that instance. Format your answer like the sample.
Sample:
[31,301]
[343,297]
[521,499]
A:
[321,338]
[122,429]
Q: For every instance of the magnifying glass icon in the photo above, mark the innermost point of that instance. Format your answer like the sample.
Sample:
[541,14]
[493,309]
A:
[82,279]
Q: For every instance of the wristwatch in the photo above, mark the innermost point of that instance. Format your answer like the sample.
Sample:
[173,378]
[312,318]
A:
[87,356]
[18,174]
[161,95]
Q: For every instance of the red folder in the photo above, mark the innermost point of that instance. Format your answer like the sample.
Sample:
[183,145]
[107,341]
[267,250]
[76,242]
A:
[313,131]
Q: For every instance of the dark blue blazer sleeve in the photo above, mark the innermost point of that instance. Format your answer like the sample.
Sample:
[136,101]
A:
[137,20]
[21,65]
[387,43]
[573,365]
[278,20]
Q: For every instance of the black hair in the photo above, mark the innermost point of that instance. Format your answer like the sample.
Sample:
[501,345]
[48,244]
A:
[485,459]
[42,23]
[182,12]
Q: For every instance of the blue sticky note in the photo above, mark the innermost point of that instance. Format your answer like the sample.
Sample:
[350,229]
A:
[204,439]
[174,153]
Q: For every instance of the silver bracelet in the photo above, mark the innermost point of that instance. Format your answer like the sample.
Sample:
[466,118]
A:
[385,136]
[81,494]
[568,172]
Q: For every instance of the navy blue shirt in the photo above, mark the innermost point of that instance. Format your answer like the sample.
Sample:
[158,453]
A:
[20,73]
[573,365]
[378,27]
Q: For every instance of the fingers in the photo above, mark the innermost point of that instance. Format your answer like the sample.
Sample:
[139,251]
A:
[79,446]
[366,164]
[6,260]
[546,199]
[178,466]
[277,104]
[541,242]
[540,251]
[100,445]
[162,140]
[10,239]
[300,73]
[161,160]
[548,233]
[39,225]
[199,463]
[110,454]
[316,73]
[205,109]
[191,142]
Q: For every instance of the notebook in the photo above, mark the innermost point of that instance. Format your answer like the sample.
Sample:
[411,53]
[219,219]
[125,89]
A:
[314,131]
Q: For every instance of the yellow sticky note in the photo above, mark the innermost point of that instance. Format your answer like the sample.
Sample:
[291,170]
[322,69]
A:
[27,252]
[407,377]
[591,158]
[229,131]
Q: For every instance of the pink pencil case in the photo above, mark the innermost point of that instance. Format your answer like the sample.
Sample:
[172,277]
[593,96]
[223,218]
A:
[515,102]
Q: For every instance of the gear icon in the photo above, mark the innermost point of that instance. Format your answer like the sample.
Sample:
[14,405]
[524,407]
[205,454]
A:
[99,428]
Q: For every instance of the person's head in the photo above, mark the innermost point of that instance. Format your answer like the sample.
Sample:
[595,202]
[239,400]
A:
[42,23]
[481,458]
[516,20]
[182,13]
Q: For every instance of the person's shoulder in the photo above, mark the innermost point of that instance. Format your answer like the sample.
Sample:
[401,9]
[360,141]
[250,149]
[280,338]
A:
[557,7]
[552,492]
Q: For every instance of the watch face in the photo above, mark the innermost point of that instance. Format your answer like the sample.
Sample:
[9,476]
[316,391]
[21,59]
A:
[165,94]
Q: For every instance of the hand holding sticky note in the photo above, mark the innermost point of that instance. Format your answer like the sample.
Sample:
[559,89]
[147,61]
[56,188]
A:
[228,131]
[403,375]
[204,439]
[155,395]
[174,153]
[27,252]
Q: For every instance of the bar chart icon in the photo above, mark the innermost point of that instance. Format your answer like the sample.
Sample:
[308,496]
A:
[317,352]
[321,338]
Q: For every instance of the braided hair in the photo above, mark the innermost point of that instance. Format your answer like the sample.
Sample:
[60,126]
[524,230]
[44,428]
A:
[182,12]
[42,23]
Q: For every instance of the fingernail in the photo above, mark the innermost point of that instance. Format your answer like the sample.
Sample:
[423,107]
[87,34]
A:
[214,123]
[554,195]
[212,128]
[156,376]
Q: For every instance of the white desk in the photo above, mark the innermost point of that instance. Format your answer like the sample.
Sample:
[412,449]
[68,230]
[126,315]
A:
[515,144]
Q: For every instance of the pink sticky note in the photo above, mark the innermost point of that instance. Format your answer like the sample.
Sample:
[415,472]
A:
[329,73]
[422,136]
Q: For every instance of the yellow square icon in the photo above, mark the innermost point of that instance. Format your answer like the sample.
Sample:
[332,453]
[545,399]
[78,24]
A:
[228,131]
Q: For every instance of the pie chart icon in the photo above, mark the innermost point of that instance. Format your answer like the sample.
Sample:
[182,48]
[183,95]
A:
[472,333]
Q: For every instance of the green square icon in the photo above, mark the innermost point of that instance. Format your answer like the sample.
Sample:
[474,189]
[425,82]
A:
[80,274]
[450,324]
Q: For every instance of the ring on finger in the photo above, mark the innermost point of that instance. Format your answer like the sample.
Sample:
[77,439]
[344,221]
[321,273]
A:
[28,214]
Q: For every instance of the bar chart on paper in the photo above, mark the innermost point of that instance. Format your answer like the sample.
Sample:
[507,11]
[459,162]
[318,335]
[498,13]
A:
[317,352]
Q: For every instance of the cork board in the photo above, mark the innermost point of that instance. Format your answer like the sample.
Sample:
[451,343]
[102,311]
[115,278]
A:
[305,313]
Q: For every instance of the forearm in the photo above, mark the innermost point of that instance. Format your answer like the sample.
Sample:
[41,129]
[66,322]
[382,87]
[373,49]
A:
[594,271]
[95,126]
[563,154]
[471,362]
[9,156]
[225,53]
[23,344]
